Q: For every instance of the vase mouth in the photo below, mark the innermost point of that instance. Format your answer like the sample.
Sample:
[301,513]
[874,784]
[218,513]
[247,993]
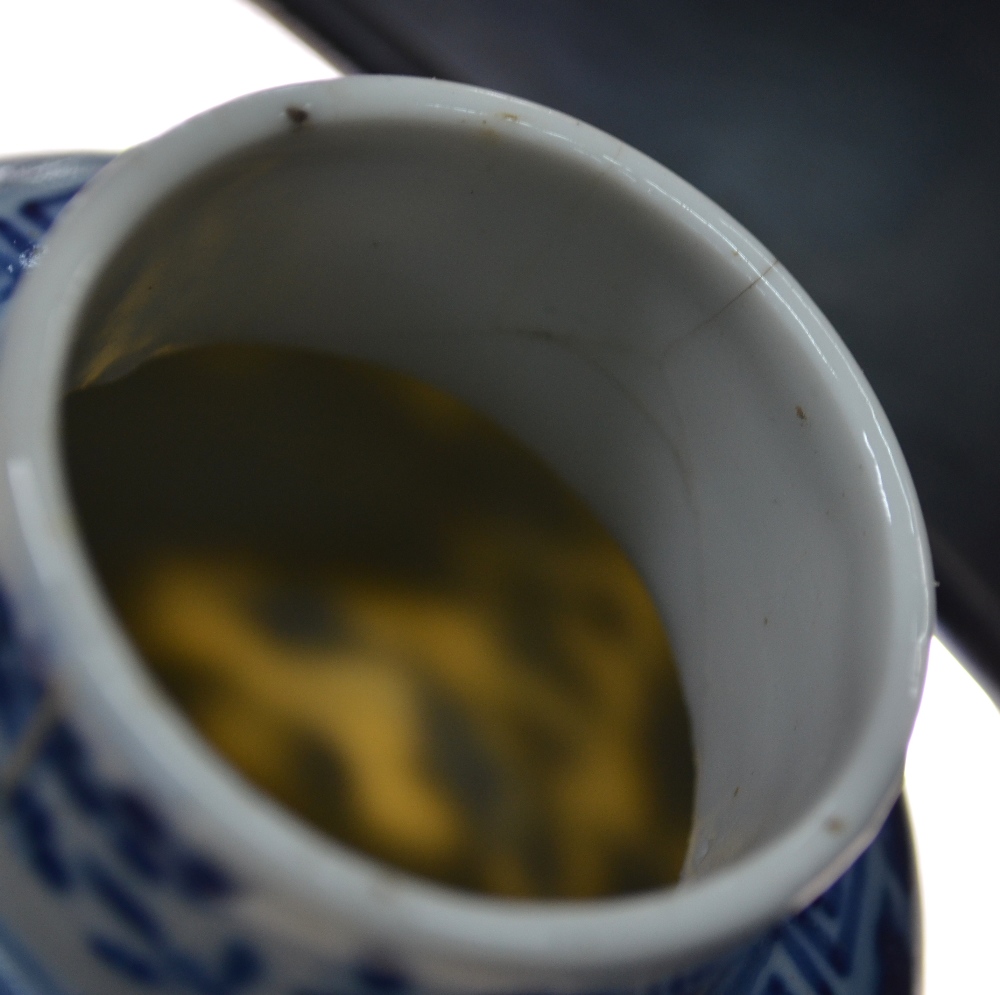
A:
[301,881]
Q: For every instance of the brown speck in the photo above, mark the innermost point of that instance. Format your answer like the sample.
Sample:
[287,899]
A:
[507,116]
[297,115]
[835,825]
[737,791]
[801,414]
[765,620]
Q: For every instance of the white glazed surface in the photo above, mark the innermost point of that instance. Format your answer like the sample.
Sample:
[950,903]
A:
[640,340]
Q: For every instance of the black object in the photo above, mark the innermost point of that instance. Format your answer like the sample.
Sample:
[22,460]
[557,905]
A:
[859,141]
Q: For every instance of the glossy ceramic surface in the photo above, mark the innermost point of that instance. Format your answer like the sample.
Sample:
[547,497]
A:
[776,456]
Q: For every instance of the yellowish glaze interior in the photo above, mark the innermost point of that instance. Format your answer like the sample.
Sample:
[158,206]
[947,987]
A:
[389,615]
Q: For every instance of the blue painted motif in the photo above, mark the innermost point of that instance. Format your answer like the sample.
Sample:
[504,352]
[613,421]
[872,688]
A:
[42,211]
[150,858]
[36,191]
[856,939]
[16,250]
[35,830]
[238,968]
[139,836]
[20,685]
[363,979]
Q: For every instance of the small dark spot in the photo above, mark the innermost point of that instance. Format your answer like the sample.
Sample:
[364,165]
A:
[604,613]
[381,978]
[135,967]
[297,115]
[322,776]
[462,760]
[298,615]
[736,791]
[200,880]
[801,414]
[532,612]
[765,620]
[835,825]
[37,832]
[127,907]
[241,965]
[632,870]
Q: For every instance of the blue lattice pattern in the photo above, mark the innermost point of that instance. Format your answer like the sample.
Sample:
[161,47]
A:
[94,844]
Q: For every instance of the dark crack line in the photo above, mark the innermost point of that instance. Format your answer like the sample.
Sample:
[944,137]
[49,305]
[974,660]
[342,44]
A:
[725,307]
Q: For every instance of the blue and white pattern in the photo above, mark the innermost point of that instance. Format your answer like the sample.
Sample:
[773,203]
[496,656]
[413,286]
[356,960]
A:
[32,192]
[144,911]
[100,848]
[857,937]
